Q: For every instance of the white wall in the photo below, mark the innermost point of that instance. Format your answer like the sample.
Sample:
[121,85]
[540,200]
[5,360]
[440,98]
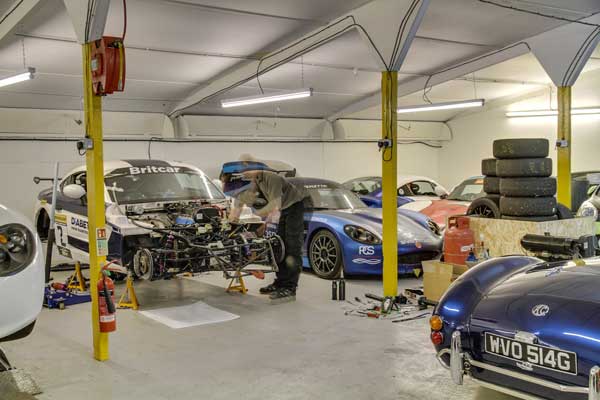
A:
[22,159]
[474,135]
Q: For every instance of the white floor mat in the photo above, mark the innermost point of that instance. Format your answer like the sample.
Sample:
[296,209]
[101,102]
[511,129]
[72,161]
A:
[191,315]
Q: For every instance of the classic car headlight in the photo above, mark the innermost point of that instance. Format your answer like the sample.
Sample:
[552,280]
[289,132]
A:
[433,227]
[361,235]
[587,209]
[17,249]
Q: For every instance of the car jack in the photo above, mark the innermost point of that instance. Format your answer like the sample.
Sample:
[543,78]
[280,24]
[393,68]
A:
[77,281]
[129,299]
[236,284]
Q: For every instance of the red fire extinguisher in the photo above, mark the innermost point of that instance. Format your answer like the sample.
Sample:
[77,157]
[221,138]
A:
[106,304]
[458,240]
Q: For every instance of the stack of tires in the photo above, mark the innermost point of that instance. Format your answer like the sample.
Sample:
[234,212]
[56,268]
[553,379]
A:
[488,206]
[518,183]
[525,181]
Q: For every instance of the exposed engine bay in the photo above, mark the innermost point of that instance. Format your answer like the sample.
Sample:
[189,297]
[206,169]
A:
[196,237]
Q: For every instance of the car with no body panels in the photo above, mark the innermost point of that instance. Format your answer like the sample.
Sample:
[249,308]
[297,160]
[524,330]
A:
[523,326]
[410,188]
[342,232]
[21,275]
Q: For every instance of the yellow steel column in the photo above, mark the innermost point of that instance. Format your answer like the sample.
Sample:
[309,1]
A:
[389,93]
[95,196]
[563,174]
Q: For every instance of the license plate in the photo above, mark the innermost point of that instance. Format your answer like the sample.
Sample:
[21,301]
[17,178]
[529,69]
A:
[532,354]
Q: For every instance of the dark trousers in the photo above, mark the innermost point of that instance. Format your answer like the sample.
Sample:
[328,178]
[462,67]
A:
[291,231]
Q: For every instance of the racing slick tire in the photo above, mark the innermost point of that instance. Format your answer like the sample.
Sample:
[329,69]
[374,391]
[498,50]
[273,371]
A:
[491,185]
[521,148]
[525,167]
[484,207]
[528,206]
[528,187]
[488,167]
[325,255]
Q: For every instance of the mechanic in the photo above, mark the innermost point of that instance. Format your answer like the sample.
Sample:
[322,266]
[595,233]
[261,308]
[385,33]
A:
[286,198]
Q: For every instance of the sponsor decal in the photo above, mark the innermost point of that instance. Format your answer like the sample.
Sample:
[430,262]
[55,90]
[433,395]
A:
[366,250]
[79,225]
[60,219]
[368,261]
[317,186]
[540,310]
[151,169]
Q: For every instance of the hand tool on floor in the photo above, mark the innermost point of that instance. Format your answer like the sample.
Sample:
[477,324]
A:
[420,316]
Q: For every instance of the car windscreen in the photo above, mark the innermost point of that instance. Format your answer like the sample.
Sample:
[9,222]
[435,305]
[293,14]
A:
[131,185]
[324,197]
[363,186]
[469,190]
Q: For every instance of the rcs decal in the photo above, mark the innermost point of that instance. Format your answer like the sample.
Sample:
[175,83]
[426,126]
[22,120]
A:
[366,250]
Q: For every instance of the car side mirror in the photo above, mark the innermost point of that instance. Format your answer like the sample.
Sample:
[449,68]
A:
[75,192]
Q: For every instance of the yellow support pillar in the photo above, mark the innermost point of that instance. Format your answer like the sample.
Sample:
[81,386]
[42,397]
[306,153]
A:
[389,119]
[563,174]
[95,196]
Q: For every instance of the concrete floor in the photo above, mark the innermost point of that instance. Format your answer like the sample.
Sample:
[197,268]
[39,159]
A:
[306,349]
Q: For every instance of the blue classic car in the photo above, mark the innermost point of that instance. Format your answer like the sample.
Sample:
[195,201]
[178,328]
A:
[341,231]
[524,327]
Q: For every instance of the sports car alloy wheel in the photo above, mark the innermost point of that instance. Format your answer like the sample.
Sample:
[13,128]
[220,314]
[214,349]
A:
[325,255]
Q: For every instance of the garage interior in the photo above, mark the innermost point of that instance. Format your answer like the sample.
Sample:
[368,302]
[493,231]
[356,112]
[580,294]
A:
[365,65]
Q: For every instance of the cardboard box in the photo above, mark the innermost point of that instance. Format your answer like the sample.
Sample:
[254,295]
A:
[437,277]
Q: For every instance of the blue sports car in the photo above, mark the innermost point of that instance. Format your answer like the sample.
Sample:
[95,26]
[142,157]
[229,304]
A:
[342,232]
[525,327]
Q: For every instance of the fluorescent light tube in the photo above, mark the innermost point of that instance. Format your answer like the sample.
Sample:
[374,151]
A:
[265,98]
[23,76]
[551,113]
[442,106]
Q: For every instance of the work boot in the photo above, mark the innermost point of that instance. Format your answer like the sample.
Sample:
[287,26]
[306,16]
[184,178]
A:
[283,295]
[272,288]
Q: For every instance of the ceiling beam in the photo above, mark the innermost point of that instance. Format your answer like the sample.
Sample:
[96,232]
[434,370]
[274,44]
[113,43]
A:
[586,79]
[88,18]
[15,14]
[372,20]
[564,51]
[447,74]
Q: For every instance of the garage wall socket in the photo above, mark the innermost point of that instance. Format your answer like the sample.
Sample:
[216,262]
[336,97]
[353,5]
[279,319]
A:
[562,143]
[384,143]
[85,144]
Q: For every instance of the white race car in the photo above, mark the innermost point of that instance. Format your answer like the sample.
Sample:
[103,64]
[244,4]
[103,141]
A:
[143,188]
[21,275]
[162,218]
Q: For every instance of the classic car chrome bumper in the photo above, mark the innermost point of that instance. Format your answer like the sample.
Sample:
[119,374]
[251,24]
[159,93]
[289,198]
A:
[462,362]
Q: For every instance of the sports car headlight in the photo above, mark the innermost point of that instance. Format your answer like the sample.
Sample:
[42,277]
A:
[17,249]
[361,235]
[587,209]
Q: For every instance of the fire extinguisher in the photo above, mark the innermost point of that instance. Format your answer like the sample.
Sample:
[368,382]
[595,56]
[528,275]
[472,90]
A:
[106,303]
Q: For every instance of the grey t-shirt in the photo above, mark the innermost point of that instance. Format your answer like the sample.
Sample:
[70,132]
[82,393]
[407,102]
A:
[275,186]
